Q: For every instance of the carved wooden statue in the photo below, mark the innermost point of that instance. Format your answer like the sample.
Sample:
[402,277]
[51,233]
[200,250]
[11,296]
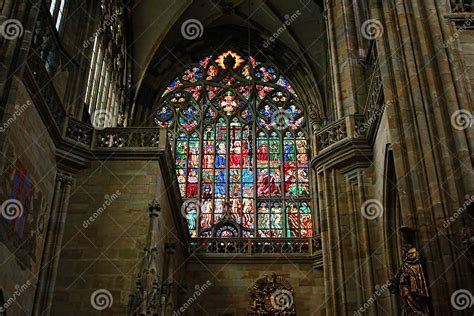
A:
[411,284]
[271,295]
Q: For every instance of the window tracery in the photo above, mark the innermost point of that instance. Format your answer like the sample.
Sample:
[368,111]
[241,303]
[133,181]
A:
[108,74]
[241,149]
[56,9]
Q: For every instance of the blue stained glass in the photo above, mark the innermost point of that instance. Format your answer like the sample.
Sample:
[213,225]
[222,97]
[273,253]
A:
[217,115]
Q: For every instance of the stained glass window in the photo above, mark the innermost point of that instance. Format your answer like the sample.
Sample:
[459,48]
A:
[56,8]
[241,149]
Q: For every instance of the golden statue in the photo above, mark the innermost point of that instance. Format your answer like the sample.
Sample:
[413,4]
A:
[271,295]
[411,284]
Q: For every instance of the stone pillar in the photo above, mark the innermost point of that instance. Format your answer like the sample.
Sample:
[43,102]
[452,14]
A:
[21,15]
[168,281]
[52,247]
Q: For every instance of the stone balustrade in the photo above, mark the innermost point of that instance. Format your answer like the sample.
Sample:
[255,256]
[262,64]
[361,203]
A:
[361,125]
[252,246]
[462,6]
[78,132]
[375,91]
[349,127]
[113,140]
[121,138]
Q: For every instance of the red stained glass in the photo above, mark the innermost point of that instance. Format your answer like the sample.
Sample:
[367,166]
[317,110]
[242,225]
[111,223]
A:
[249,174]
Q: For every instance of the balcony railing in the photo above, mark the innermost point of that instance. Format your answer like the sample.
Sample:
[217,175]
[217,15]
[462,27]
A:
[111,140]
[462,6]
[123,138]
[349,127]
[255,246]
[374,96]
[78,133]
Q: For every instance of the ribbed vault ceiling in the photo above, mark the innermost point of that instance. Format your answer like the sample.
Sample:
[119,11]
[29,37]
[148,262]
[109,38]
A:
[160,51]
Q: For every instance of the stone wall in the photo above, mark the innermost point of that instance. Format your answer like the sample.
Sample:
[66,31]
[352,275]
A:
[227,294]
[28,170]
[102,250]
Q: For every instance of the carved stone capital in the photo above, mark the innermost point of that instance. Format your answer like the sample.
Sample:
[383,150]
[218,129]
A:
[170,248]
[65,179]
[154,208]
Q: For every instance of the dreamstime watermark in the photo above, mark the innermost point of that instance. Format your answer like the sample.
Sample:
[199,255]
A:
[462,119]
[289,19]
[458,33]
[108,20]
[11,29]
[199,289]
[281,119]
[378,292]
[372,209]
[12,209]
[281,299]
[462,299]
[469,200]
[19,290]
[372,29]
[19,109]
[362,129]
[192,29]
[100,118]
[190,206]
[102,299]
[108,201]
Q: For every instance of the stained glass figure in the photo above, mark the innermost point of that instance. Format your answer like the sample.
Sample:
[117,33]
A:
[247,176]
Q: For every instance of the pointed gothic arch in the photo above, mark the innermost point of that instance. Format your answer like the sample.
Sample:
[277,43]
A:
[393,220]
[242,148]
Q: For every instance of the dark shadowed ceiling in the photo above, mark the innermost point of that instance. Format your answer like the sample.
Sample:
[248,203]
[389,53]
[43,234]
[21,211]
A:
[161,51]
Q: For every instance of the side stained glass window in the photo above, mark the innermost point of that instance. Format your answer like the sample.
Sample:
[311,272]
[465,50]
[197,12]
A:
[241,149]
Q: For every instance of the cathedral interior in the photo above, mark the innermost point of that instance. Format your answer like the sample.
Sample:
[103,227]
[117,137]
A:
[236,157]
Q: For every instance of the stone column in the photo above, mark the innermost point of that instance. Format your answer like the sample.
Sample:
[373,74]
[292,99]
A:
[21,15]
[52,247]
[168,282]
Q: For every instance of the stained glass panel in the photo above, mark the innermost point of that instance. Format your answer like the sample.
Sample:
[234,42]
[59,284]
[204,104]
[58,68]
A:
[243,166]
